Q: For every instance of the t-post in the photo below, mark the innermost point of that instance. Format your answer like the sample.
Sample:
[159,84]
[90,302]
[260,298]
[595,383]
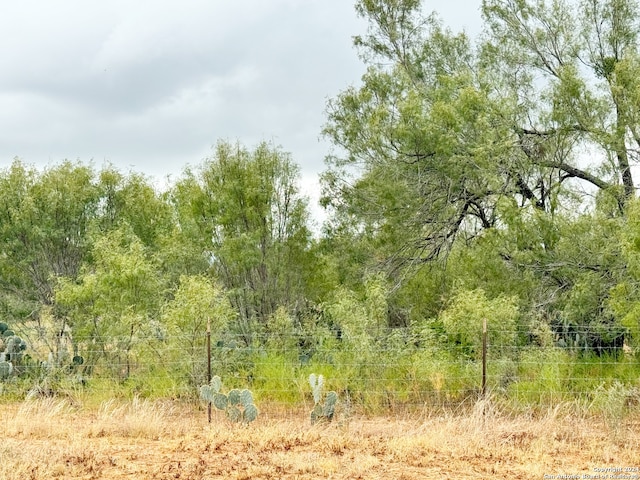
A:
[209,364]
[484,357]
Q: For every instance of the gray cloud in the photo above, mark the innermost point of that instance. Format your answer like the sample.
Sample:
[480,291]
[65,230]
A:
[151,85]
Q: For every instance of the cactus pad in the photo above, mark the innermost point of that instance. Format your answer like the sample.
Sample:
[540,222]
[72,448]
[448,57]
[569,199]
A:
[316,382]
[330,405]
[246,398]
[220,401]
[250,413]
[234,397]
[326,410]
[206,393]
[234,414]
[316,414]
[216,383]
[331,398]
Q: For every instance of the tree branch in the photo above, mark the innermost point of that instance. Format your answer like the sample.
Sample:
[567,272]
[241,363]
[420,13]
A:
[575,172]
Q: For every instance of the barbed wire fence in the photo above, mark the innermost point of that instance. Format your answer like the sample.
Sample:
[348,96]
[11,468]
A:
[394,370]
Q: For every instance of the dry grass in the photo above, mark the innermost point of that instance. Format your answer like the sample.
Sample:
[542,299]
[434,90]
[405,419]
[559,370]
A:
[51,438]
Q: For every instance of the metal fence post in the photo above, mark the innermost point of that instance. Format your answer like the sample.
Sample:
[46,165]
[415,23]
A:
[209,364]
[484,357]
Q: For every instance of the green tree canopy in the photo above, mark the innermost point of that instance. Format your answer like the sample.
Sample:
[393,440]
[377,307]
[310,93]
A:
[245,211]
[443,133]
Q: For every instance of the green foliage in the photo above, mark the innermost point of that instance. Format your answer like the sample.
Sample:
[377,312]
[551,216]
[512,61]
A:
[114,299]
[362,319]
[246,214]
[281,333]
[425,133]
[463,320]
[237,404]
[543,377]
[457,194]
[614,402]
[625,295]
[61,202]
[573,53]
[196,303]
[50,219]
[471,153]
[132,200]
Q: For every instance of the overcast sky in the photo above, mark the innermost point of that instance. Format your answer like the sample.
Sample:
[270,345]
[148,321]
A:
[150,86]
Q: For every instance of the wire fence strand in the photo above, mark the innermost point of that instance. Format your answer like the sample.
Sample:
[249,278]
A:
[396,367]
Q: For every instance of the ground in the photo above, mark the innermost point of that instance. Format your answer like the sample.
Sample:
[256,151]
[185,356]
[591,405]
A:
[53,438]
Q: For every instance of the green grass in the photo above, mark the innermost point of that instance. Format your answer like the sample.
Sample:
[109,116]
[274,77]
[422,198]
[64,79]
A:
[380,383]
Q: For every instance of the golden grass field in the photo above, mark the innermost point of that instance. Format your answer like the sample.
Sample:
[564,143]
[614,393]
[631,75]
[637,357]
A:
[53,438]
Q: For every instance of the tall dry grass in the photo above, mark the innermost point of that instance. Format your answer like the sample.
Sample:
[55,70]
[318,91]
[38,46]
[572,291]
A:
[50,438]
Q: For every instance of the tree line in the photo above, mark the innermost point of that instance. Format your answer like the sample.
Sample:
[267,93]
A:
[489,177]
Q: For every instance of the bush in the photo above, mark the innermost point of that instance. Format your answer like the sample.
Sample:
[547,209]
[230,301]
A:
[463,319]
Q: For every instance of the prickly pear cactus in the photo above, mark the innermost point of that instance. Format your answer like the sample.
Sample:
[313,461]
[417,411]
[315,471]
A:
[321,411]
[246,398]
[216,383]
[316,382]
[12,349]
[316,413]
[330,402]
[209,392]
[14,346]
[237,404]
[5,370]
[234,414]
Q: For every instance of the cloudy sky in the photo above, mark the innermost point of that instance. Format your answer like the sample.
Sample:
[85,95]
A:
[150,86]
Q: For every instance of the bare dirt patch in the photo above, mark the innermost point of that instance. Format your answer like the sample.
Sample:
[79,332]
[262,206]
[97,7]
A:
[50,438]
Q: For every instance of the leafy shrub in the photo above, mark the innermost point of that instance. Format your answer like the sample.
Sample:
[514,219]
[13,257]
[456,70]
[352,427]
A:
[463,320]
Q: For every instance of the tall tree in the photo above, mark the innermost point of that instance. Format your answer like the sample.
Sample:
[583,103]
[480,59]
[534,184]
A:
[47,219]
[112,306]
[50,224]
[44,218]
[133,199]
[574,66]
[442,137]
[426,141]
[250,220]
